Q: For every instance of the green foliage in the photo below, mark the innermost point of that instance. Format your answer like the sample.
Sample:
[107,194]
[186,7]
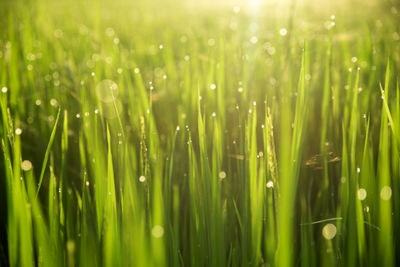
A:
[187,133]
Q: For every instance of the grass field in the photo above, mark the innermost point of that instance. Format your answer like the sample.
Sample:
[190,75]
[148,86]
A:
[199,133]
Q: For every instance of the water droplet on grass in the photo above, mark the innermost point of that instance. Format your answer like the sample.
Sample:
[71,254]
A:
[107,91]
[70,247]
[26,165]
[386,192]
[329,231]
[222,175]
[157,231]
[54,102]
[362,194]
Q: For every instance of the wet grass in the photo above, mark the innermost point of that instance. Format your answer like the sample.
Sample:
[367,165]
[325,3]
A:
[176,133]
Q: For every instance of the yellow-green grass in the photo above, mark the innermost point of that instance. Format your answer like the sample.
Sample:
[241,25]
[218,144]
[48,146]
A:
[179,133]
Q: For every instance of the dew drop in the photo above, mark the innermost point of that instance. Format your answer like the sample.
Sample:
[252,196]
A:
[157,231]
[254,39]
[386,192]
[329,231]
[283,32]
[107,91]
[54,102]
[362,194]
[26,165]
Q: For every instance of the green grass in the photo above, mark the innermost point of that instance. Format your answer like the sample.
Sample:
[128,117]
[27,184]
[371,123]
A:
[187,133]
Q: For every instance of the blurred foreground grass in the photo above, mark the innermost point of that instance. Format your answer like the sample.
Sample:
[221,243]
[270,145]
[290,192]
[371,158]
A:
[184,133]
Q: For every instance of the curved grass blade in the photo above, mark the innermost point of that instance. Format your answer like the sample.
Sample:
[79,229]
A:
[46,155]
